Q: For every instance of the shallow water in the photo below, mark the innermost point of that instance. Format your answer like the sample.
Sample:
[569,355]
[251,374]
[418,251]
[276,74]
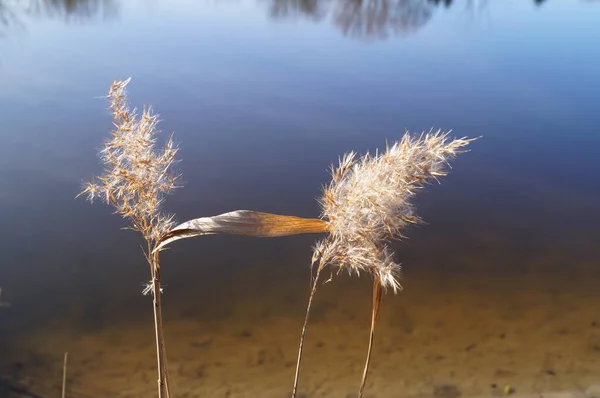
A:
[500,285]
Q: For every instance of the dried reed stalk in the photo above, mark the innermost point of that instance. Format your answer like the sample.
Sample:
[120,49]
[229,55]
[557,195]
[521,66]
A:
[313,290]
[376,304]
[64,379]
[137,177]
[368,204]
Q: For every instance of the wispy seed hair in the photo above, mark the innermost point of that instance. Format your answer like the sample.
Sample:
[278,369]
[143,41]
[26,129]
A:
[137,175]
[368,202]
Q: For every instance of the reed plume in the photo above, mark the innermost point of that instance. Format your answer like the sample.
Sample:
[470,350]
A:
[369,203]
[137,177]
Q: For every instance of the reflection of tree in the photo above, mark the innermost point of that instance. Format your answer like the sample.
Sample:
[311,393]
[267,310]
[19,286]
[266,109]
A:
[362,18]
[13,13]
[9,18]
[373,18]
[447,3]
[315,9]
[380,18]
[74,10]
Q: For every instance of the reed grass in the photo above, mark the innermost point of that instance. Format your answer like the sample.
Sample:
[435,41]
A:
[367,205]
[64,376]
[137,176]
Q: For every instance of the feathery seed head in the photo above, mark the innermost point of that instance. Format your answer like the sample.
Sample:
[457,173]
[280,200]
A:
[137,174]
[369,202]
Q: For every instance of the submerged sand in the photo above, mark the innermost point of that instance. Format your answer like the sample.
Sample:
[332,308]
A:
[443,336]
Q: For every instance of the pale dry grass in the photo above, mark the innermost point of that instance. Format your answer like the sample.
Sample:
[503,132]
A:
[367,204]
[137,176]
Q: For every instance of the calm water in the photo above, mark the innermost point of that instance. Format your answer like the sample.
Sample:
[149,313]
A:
[263,95]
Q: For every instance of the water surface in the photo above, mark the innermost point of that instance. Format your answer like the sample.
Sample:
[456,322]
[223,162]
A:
[500,285]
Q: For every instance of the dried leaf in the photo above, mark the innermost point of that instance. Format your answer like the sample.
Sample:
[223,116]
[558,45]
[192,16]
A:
[244,222]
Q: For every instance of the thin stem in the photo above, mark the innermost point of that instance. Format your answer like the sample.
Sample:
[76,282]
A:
[162,339]
[376,304]
[161,357]
[303,335]
[64,380]
[157,313]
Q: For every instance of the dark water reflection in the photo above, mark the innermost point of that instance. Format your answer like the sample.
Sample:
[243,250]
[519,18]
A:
[355,18]
[14,14]
[368,19]
[500,287]
[371,19]
[74,10]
